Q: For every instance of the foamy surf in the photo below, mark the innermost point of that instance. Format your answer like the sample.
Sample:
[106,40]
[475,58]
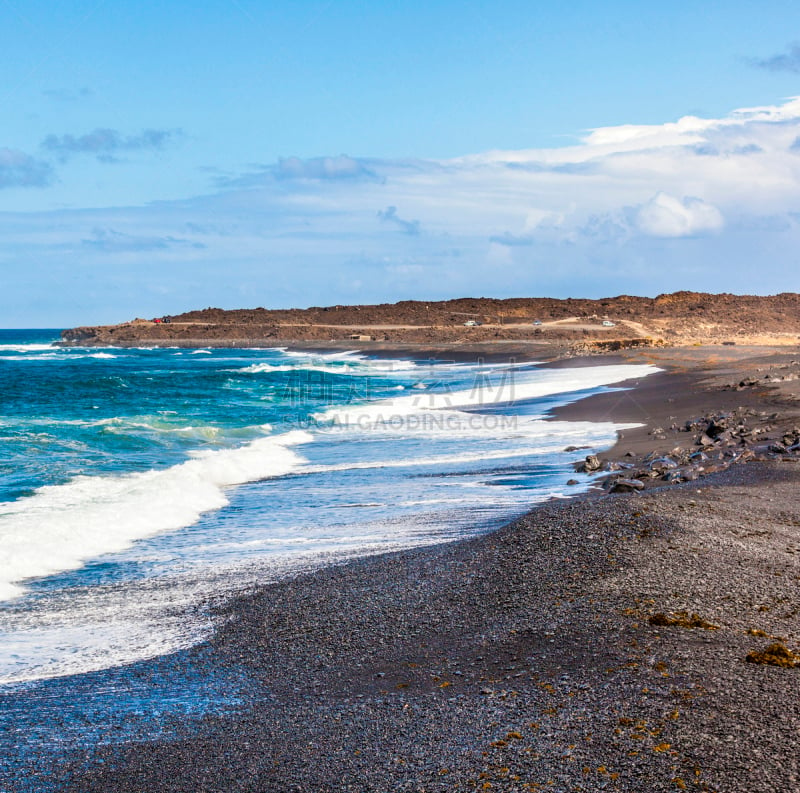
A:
[26,347]
[487,391]
[59,527]
[354,364]
[168,477]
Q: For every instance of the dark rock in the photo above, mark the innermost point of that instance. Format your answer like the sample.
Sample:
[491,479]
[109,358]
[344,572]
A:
[713,468]
[663,464]
[591,463]
[724,437]
[716,427]
[680,454]
[627,486]
[791,437]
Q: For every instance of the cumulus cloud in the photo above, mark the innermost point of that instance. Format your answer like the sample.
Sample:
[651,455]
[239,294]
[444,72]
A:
[667,216]
[18,169]
[105,144]
[788,61]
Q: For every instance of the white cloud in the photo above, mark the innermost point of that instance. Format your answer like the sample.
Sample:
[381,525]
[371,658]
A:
[633,208]
[666,216]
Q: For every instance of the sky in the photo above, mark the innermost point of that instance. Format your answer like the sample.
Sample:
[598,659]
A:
[161,157]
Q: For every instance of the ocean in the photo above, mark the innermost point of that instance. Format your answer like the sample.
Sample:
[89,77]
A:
[138,486]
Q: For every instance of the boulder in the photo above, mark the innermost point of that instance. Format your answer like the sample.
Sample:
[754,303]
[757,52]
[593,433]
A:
[716,426]
[627,486]
[663,464]
[590,464]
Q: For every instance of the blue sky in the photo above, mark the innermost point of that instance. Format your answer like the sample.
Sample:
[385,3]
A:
[161,157]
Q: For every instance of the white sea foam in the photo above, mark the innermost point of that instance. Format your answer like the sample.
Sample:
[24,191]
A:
[551,437]
[487,391]
[88,629]
[52,354]
[352,364]
[61,526]
[25,347]
[267,368]
[36,653]
[333,356]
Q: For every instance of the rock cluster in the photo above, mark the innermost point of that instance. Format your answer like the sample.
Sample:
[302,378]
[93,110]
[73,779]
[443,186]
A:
[785,373]
[719,441]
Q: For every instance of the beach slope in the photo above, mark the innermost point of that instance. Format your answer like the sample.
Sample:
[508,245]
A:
[611,642]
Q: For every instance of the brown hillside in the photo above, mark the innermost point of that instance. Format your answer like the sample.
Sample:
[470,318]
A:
[678,318]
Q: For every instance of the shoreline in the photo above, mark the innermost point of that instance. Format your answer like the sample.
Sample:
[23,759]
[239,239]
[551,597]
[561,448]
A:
[428,668]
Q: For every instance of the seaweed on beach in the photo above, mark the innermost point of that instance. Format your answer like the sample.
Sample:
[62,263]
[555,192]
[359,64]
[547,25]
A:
[776,654]
[682,619]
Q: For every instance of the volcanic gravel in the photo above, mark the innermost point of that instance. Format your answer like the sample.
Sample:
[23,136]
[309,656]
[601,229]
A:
[520,660]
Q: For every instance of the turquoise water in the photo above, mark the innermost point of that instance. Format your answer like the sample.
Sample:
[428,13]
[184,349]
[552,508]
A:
[134,483]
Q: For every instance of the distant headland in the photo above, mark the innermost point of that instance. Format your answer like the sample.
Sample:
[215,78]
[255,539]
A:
[677,319]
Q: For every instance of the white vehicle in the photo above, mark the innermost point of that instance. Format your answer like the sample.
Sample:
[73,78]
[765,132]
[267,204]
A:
[607,323]
[472,323]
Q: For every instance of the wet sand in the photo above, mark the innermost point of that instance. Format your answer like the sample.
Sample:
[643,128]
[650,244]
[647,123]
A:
[525,659]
